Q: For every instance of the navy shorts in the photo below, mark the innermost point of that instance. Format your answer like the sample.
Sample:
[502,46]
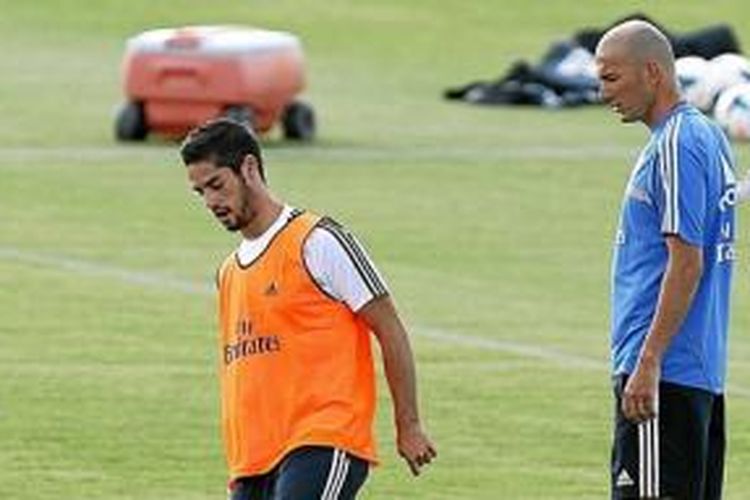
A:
[307,473]
[677,455]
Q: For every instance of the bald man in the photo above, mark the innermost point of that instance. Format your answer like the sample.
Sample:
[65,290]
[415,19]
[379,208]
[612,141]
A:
[671,277]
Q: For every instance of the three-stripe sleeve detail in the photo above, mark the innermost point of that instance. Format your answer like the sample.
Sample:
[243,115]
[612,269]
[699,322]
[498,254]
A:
[670,177]
[357,255]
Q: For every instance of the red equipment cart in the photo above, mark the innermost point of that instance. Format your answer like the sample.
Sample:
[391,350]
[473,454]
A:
[177,78]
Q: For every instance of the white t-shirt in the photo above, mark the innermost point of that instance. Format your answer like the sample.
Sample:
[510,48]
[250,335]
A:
[336,260]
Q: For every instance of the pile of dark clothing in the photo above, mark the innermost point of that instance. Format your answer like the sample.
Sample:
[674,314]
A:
[566,75]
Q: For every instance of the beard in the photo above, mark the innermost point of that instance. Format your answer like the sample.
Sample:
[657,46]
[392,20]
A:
[236,220]
[231,225]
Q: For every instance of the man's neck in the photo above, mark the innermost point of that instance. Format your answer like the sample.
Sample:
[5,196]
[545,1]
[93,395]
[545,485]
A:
[267,214]
[661,108]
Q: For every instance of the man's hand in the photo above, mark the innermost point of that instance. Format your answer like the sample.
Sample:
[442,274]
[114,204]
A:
[640,397]
[415,447]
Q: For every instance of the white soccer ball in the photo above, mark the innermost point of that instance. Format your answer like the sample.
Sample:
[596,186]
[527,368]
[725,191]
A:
[695,82]
[732,111]
[728,70]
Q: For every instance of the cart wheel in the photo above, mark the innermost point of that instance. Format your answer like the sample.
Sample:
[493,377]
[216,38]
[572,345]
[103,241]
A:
[130,124]
[299,121]
[241,114]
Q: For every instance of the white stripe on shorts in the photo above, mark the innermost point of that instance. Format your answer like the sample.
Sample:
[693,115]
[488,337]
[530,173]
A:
[648,458]
[336,475]
[657,459]
[338,486]
[331,473]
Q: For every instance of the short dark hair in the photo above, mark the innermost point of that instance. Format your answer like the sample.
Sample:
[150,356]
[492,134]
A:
[224,142]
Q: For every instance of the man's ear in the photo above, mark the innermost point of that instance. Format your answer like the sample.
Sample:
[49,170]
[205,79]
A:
[249,169]
[654,73]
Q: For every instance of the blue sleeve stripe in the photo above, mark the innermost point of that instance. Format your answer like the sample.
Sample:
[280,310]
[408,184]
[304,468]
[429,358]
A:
[675,172]
[663,161]
[669,169]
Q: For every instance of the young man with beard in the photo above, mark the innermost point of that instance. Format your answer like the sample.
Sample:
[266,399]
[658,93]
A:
[298,301]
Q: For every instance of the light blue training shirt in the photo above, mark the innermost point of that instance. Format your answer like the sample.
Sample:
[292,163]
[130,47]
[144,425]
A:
[683,184]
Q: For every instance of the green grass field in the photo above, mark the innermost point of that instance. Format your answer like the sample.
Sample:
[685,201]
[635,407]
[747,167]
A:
[493,227]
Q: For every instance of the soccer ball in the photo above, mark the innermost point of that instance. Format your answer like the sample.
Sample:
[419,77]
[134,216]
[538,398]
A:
[732,111]
[728,70]
[695,82]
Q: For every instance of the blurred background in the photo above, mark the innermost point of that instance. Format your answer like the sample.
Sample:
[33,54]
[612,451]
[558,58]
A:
[492,225]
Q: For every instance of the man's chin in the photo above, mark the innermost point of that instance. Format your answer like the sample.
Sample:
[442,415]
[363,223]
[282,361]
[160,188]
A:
[229,225]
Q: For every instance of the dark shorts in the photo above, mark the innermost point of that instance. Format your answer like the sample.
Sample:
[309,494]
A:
[677,455]
[307,473]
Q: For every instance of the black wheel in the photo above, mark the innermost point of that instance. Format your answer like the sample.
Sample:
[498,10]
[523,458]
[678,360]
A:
[130,124]
[299,121]
[241,114]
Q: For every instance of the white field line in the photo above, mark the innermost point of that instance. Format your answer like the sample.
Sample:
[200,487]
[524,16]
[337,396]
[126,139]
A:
[93,269]
[163,282]
[324,152]
[511,347]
